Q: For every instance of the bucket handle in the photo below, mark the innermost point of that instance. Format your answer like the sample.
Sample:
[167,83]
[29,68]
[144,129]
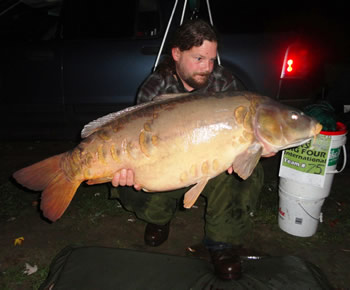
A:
[320,218]
[344,162]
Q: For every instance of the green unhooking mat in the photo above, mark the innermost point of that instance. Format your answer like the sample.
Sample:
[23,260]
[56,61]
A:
[109,268]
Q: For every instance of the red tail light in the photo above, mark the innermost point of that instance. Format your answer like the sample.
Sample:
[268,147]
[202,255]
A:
[290,65]
[297,62]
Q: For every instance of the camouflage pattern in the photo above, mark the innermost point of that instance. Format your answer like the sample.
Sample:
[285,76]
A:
[230,200]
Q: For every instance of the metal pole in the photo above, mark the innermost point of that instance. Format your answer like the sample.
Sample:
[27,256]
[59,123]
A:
[9,8]
[165,35]
[209,12]
[183,12]
[212,24]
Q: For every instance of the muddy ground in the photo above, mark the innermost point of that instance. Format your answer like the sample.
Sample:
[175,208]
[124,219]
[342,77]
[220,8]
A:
[95,220]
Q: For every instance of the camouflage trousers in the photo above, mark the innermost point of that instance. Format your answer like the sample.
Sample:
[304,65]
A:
[230,200]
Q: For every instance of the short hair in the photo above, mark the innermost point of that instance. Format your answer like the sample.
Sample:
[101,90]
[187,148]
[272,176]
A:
[193,33]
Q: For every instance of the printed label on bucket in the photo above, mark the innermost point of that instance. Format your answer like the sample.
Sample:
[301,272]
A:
[307,163]
[333,156]
[281,213]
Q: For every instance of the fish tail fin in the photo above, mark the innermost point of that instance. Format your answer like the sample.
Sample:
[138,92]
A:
[57,196]
[48,176]
[39,175]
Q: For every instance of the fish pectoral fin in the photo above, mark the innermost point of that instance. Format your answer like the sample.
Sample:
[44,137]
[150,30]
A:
[192,195]
[245,162]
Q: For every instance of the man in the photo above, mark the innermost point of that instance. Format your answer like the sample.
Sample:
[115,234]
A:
[230,200]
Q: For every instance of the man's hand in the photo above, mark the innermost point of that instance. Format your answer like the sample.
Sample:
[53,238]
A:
[125,177]
[230,170]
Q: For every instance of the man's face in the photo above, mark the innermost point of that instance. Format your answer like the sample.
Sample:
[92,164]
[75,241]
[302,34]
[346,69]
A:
[195,65]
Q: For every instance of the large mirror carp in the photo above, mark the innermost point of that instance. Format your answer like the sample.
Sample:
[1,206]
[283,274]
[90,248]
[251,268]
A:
[172,142]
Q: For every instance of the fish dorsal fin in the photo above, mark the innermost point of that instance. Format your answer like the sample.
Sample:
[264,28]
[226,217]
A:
[169,96]
[98,123]
[192,195]
[93,126]
[245,162]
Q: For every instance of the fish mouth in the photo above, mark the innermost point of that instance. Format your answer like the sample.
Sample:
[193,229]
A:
[316,131]
[296,144]
[318,128]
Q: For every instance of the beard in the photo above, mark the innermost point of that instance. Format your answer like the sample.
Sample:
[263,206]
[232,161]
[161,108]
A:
[196,83]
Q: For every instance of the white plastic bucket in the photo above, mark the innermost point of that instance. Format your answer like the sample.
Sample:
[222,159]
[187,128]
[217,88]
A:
[298,216]
[300,203]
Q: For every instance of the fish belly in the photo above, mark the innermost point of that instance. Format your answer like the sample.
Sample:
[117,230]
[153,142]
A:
[172,145]
[187,144]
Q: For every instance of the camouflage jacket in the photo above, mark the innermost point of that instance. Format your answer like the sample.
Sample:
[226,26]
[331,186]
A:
[156,84]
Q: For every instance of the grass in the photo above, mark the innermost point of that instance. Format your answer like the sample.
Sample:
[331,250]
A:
[93,203]
[15,200]
[267,207]
[333,229]
[90,204]
[13,278]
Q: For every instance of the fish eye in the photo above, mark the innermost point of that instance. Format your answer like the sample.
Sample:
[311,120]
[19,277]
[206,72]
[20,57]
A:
[294,115]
